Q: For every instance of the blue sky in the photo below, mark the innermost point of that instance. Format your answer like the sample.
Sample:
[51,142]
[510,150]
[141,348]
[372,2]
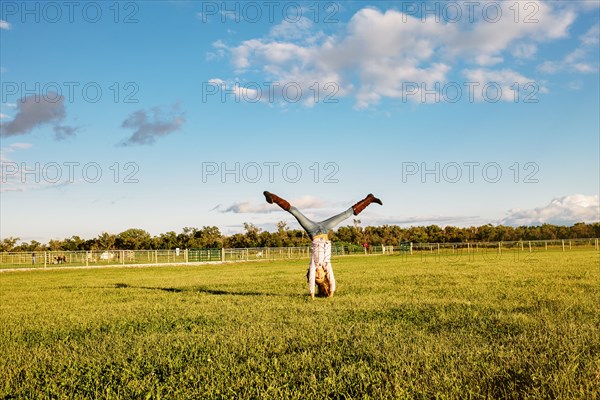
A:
[161,115]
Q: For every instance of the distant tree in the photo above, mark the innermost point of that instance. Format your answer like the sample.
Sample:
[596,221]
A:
[133,239]
[106,241]
[73,243]
[252,232]
[486,233]
[184,239]
[417,234]
[54,245]
[91,244]
[9,243]
[237,240]
[33,246]
[208,237]
[595,232]
[344,234]
[435,234]
[581,230]
[282,234]
[372,235]
[168,240]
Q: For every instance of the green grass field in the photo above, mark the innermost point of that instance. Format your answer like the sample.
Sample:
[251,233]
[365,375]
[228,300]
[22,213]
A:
[397,328]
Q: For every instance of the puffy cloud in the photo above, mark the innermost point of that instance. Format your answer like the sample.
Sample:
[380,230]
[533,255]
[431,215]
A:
[35,111]
[4,25]
[290,30]
[525,50]
[309,202]
[577,60]
[303,203]
[377,52]
[539,21]
[566,210]
[151,124]
[503,84]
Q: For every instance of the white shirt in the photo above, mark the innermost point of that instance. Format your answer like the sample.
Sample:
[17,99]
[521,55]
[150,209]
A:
[320,257]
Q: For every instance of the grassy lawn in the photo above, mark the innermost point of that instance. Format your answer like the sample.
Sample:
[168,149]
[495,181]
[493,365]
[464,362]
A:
[398,327]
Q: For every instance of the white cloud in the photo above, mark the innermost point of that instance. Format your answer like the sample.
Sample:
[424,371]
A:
[377,52]
[20,146]
[4,25]
[584,68]
[216,81]
[549,67]
[575,61]
[501,84]
[250,93]
[303,203]
[3,116]
[592,36]
[309,202]
[525,50]
[566,210]
[292,30]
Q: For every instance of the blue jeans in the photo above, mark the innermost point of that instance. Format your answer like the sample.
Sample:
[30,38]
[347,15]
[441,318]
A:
[319,228]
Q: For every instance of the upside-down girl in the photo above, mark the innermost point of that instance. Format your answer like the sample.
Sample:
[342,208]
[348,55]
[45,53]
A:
[320,271]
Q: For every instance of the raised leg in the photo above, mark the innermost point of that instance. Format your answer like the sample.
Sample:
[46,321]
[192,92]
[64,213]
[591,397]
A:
[330,223]
[309,226]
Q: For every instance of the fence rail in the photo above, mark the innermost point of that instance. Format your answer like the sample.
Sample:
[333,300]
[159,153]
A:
[470,250]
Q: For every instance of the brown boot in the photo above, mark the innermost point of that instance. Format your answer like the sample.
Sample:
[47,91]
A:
[273,198]
[361,205]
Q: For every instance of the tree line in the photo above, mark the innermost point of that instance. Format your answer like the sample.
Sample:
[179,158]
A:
[352,235]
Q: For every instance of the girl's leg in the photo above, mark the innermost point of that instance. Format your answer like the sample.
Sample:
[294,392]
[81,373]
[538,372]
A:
[312,228]
[354,210]
[309,226]
[330,223]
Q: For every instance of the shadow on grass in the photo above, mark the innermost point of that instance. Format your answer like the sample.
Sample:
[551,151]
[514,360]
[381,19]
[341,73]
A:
[200,289]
